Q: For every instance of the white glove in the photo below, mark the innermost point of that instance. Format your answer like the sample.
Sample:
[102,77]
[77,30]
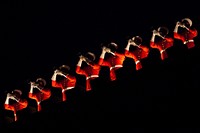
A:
[56,71]
[129,41]
[59,73]
[9,95]
[182,25]
[104,48]
[33,84]
[155,32]
[107,50]
[82,58]
[133,43]
[178,23]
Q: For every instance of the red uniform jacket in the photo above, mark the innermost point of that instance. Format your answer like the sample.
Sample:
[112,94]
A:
[114,62]
[162,45]
[187,37]
[139,53]
[90,72]
[66,83]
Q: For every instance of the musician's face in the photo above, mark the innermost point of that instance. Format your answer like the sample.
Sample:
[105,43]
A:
[138,41]
[40,83]
[186,23]
[16,94]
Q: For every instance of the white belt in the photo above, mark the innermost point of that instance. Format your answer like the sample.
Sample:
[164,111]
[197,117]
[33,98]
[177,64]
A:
[188,41]
[68,88]
[116,66]
[92,76]
[137,62]
[162,51]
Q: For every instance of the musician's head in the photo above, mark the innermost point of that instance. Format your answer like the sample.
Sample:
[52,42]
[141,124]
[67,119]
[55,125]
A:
[112,46]
[17,93]
[186,22]
[90,57]
[64,69]
[41,82]
[163,31]
[137,40]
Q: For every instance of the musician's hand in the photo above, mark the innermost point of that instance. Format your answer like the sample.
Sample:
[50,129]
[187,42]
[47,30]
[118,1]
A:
[182,25]
[129,41]
[59,73]
[103,48]
[178,23]
[132,43]
[82,58]
[9,95]
[32,83]
[56,71]
[108,50]
[155,32]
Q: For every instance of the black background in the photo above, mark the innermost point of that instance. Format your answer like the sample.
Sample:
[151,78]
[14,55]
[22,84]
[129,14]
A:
[38,36]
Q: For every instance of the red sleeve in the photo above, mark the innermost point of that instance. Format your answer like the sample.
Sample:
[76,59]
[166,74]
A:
[119,55]
[177,36]
[100,61]
[153,44]
[128,54]
[55,84]
[71,78]
[80,71]
[146,49]
[194,32]
[170,40]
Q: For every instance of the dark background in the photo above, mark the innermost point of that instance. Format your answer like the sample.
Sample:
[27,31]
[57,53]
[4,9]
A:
[38,36]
